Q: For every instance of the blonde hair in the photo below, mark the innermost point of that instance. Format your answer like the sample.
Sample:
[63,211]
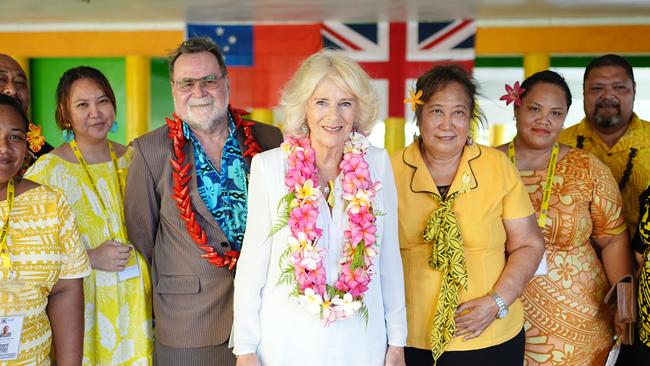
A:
[345,73]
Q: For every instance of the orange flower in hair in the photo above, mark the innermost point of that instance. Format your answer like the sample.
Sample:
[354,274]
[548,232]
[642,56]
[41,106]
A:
[35,138]
[414,99]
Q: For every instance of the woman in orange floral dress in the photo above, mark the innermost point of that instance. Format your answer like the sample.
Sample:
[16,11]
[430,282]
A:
[566,320]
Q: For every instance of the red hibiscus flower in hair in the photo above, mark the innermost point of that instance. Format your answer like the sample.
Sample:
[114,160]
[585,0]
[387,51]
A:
[513,94]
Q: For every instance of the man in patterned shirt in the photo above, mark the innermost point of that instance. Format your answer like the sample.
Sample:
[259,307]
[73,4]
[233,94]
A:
[13,82]
[612,131]
[185,206]
[616,135]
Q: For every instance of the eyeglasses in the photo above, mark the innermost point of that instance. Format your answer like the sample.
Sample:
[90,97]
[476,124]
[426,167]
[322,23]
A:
[209,82]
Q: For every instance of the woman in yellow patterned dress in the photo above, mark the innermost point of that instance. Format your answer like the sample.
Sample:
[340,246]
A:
[43,261]
[566,320]
[91,171]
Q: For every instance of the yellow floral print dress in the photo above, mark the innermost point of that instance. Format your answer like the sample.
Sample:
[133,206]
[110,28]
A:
[118,320]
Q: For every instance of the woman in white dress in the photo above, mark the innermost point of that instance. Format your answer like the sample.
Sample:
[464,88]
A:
[320,279]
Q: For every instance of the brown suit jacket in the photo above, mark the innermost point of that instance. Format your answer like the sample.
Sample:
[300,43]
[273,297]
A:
[192,299]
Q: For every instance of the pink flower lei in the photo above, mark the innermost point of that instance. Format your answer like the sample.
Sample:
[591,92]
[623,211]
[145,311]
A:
[302,263]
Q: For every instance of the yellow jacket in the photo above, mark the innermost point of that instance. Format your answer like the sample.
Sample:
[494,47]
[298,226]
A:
[495,193]
[617,157]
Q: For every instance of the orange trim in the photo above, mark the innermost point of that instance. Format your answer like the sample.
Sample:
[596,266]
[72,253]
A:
[563,40]
[90,44]
[490,41]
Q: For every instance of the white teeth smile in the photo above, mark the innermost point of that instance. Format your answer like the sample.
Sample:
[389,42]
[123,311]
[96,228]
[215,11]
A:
[333,129]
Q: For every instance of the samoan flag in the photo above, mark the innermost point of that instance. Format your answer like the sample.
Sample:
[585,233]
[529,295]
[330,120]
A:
[235,41]
[261,58]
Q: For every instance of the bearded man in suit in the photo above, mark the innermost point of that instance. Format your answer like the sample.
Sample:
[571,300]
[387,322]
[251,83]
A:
[186,206]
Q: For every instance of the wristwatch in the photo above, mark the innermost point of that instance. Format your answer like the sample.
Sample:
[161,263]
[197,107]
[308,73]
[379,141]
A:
[503,309]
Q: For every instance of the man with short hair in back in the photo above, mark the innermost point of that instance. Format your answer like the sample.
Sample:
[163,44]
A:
[612,131]
[13,82]
[617,136]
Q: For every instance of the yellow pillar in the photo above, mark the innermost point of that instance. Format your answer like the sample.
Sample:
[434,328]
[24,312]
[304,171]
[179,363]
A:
[138,96]
[394,134]
[536,61]
[264,115]
[498,134]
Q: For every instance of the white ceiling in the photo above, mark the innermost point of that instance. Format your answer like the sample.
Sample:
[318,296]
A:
[21,14]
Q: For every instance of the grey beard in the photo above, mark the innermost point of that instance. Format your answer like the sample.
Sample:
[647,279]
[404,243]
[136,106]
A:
[208,126]
[608,121]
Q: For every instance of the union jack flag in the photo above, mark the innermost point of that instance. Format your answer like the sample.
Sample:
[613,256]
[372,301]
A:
[399,52]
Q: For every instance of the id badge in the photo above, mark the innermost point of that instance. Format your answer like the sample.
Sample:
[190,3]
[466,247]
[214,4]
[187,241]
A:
[542,269]
[10,330]
[132,268]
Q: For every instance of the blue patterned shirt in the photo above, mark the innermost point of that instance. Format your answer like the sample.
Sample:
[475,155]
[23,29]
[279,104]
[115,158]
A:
[224,193]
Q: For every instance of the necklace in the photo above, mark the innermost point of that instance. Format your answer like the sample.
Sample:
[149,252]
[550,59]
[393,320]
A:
[181,177]
[580,143]
[328,191]
[302,262]
[550,173]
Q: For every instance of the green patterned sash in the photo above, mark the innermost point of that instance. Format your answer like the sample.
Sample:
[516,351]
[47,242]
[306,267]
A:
[447,257]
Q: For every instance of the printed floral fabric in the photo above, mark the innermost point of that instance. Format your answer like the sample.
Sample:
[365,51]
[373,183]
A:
[566,321]
[224,193]
[118,325]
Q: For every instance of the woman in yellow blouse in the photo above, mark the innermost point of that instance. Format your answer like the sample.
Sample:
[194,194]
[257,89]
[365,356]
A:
[468,237]
[91,172]
[43,261]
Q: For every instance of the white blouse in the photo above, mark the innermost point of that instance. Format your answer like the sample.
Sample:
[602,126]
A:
[279,329]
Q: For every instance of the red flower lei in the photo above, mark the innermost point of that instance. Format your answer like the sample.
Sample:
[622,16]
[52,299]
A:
[181,176]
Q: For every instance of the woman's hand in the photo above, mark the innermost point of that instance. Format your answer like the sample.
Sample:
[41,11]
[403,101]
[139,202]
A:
[249,359]
[395,356]
[110,256]
[472,317]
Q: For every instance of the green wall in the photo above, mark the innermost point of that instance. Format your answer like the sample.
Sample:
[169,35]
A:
[45,74]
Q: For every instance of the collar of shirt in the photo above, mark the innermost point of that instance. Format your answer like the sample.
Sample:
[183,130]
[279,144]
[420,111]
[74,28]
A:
[187,131]
[632,137]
